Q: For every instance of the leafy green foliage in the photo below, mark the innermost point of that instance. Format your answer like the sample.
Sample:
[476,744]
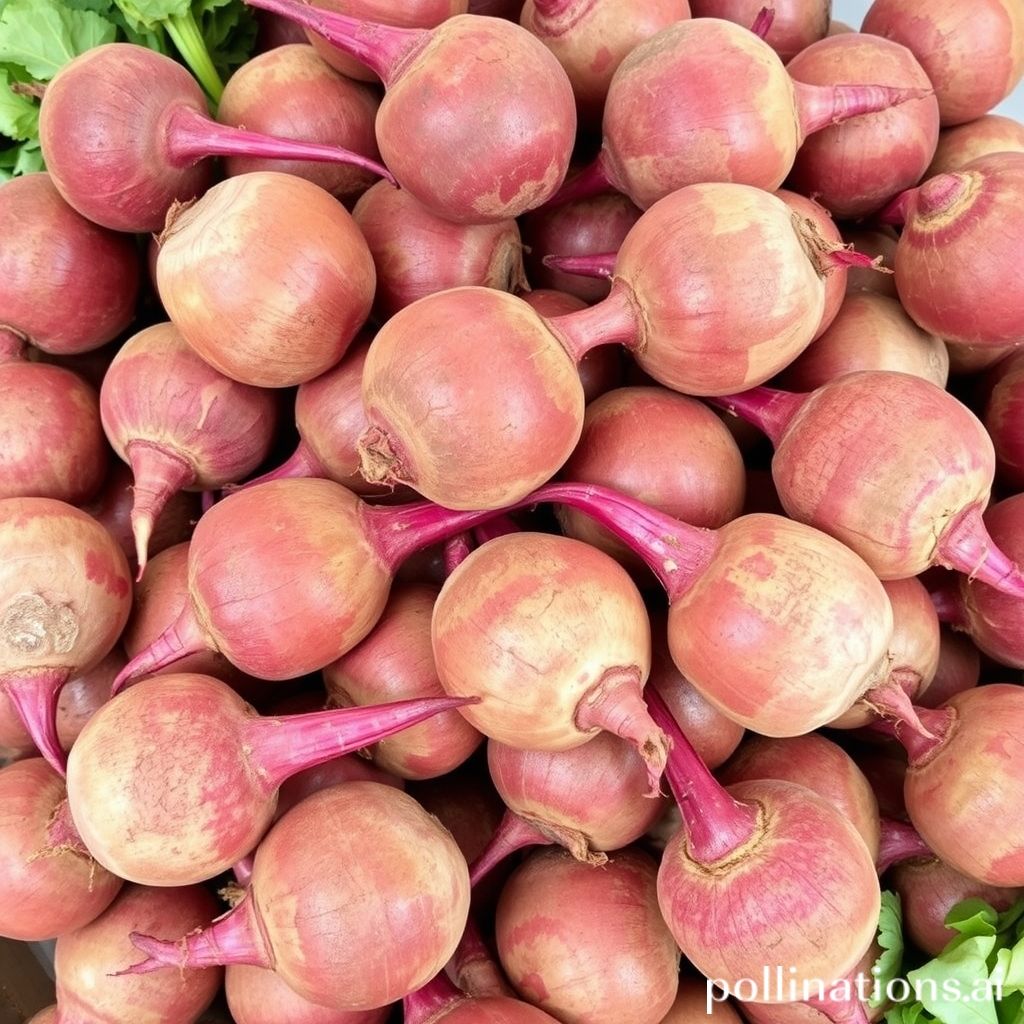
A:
[978,978]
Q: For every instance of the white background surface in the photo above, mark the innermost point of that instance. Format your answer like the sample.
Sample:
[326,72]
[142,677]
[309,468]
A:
[853,11]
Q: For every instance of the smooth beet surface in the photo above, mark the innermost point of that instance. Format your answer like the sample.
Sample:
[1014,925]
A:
[67,285]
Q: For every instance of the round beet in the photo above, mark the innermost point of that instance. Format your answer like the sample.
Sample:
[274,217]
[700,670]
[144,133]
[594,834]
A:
[51,441]
[125,134]
[66,285]
[290,93]
[257,995]
[606,956]
[49,884]
[959,241]
[267,277]
[478,119]
[876,432]
[179,424]
[1004,419]
[973,55]
[65,594]
[592,39]
[402,899]
[553,637]
[89,963]
[974,749]
[196,772]
[416,253]
[995,620]
[708,101]
[854,168]
[964,144]
[870,332]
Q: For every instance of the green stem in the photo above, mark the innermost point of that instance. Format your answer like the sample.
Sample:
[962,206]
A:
[185,35]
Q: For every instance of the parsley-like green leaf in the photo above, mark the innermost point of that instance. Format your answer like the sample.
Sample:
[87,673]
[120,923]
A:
[890,938]
[955,987]
[41,36]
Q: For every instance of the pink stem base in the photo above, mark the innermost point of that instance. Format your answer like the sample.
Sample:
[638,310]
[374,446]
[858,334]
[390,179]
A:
[593,180]
[600,264]
[965,545]
[768,409]
[34,696]
[512,834]
[235,938]
[899,842]
[301,464]
[180,639]
[716,824]
[192,136]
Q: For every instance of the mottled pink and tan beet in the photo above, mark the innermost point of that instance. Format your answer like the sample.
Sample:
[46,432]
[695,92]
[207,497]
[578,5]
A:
[973,56]
[971,762]
[403,896]
[965,143]
[51,441]
[929,890]
[252,559]
[66,285]
[416,253]
[708,101]
[257,995]
[607,950]
[592,39]
[870,332]
[1004,419]
[674,285]
[816,764]
[854,168]
[913,658]
[755,608]
[959,242]
[196,772]
[87,961]
[553,637]
[795,873]
[662,448]
[477,121]
[65,595]
[290,93]
[125,134]
[396,662]
[995,620]
[445,410]
[590,799]
[179,424]
[266,277]
[857,459]
[49,884]
[440,1002]
[796,24]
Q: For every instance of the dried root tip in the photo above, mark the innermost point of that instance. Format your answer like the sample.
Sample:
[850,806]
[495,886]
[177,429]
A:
[576,842]
[177,208]
[378,461]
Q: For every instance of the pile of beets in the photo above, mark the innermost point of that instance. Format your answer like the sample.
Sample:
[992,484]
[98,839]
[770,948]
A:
[556,428]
